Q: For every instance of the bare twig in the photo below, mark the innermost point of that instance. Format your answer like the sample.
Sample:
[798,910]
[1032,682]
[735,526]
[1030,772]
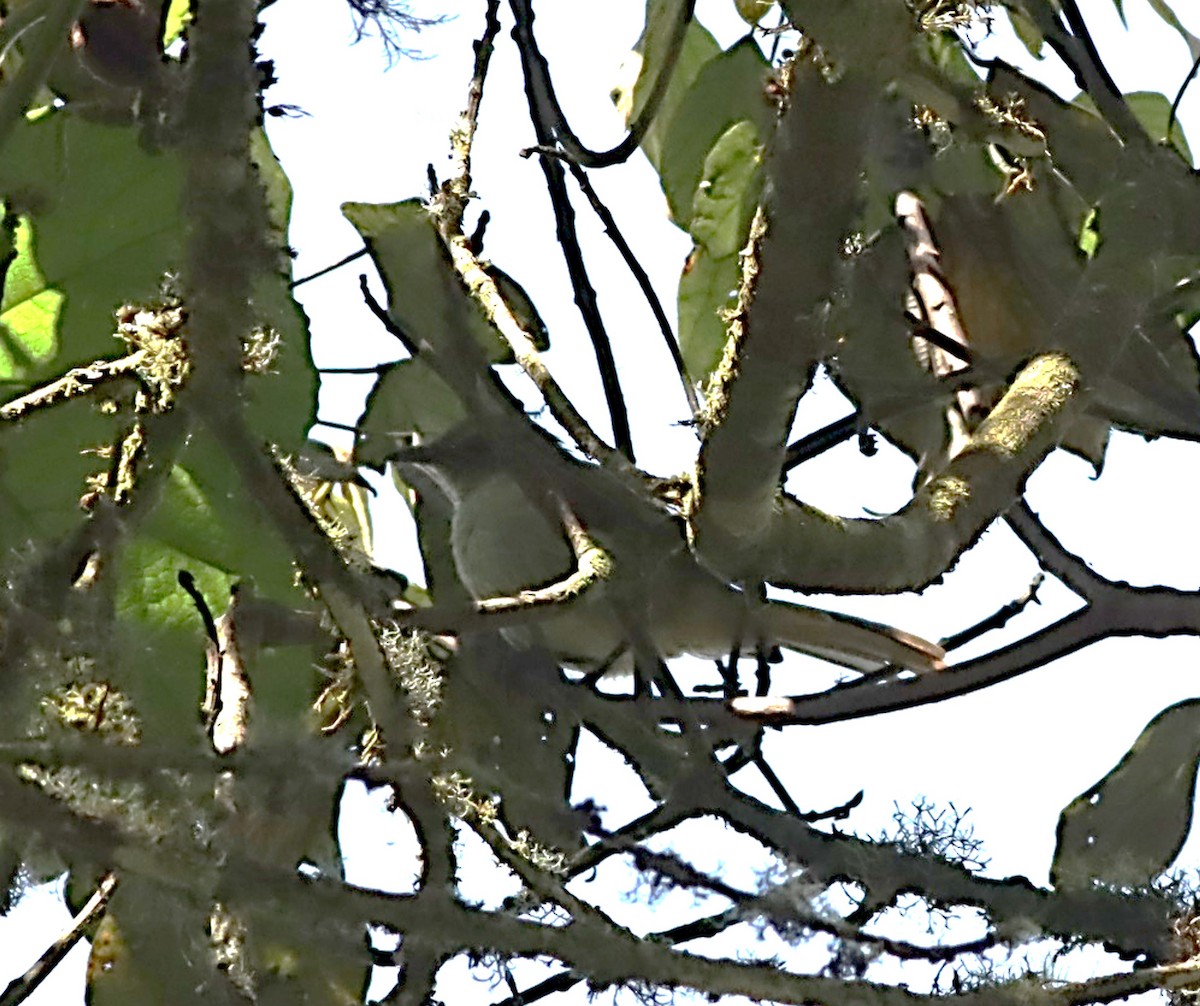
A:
[352,257]
[548,115]
[75,382]
[635,267]
[550,130]
[996,620]
[819,442]
[1187,81]
[20,989]
[448,208]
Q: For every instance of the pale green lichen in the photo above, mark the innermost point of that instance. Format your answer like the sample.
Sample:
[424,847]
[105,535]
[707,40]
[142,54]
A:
[716,394]
[94,707]
[1040,391]
[947,495]
[163,363]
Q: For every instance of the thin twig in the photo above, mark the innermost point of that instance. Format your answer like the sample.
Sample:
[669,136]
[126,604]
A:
[353,256]
[1187,81]
[560,982]
[635,267]
[996,620]
[448,208]
[549,128]
[1052,557]
[75,382]
[385,319]
[776,784]
[548,115]
[19,989]
[455,193]
[819,442]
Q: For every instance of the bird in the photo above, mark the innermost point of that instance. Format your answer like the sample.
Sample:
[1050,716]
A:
[506,536]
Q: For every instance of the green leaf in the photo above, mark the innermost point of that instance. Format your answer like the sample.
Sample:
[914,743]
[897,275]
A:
[873,360]
[753,11]
[1161,8]
[698,48]
[107,221]
[727,195]
[1089,234]
[179,16]
[206,523]
[29,312]
[1129,827]
[707,288]
[1029,34]
[1153,110]
[46,462]
[152,946]
[426,300]
[282,395]
[647,62]
[409,398]
[726,91]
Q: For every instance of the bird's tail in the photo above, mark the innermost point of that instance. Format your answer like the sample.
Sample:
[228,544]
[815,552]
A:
[843,639]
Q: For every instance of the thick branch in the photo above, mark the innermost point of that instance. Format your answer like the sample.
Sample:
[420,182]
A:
[799,546]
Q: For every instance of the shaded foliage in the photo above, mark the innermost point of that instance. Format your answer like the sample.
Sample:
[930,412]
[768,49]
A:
[198,649]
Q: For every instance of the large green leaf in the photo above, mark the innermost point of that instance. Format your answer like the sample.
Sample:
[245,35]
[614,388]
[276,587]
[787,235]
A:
[1129,827]
[46,463]
[107,221]
[282,387]
[207,523]
[1153,111]
[410,402]
[728,89]
[29,311]
[707,288]
[727,196]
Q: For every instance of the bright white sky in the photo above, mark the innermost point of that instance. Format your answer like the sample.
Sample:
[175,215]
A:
[1015,754]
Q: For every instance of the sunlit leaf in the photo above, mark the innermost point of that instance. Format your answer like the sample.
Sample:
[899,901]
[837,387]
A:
[1089,235]
[107,218]
[727,195]
[179,16]
[29,311]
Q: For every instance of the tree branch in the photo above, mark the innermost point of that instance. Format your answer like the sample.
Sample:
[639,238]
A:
[20,989]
